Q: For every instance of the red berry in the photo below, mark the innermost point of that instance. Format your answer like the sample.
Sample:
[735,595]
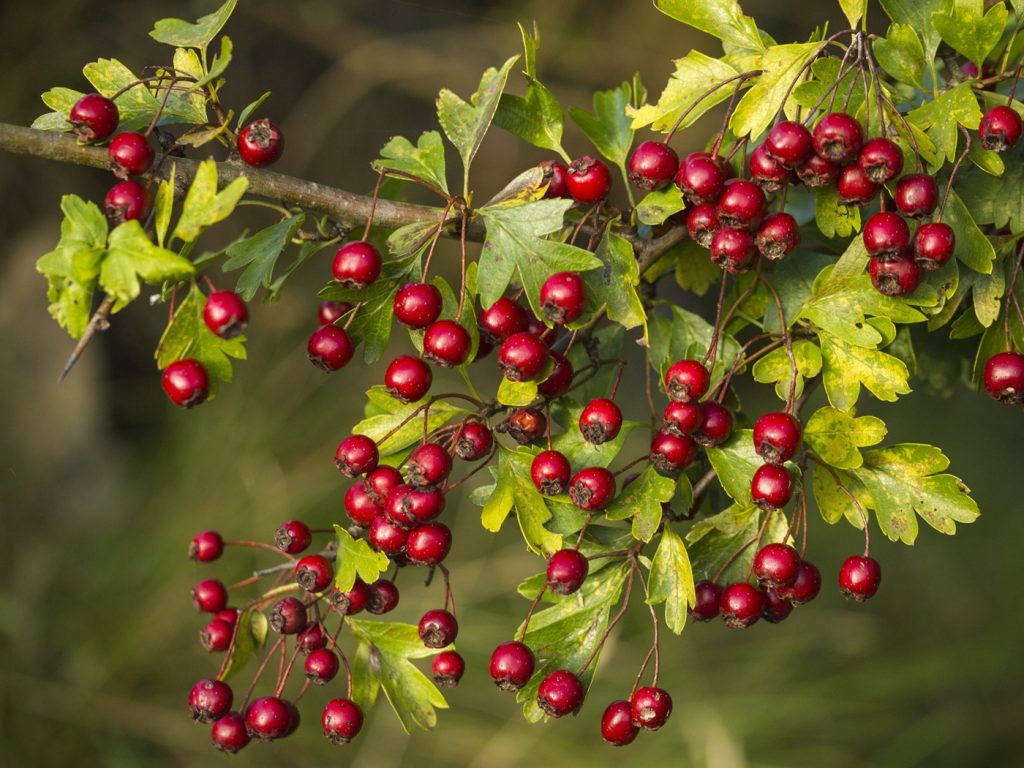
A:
[522,357]
[838,137]
[733,250]
[741,204]
[356,455]
[881,160]
[329,348]
[524,425]
[130,154]
[260,143]
[383,597]
[894,277]
[805,587]
[817,172]
[707,595]
[408,378]
[592,488]
[789,143]
[917,194]
[767,172]
[429,544]
[417,305]
[651,707]
[933,245]
[473,440]
[288,616]
[776,565]
[555,174]
[716,426]
[682,418]
[503,319]
[561,377]
[438,628]
[560,693]
[567,569]
[216,635]
[229,734]
[209,700]
[652,165]
[671,454]
[600,421]
[700,178]
[268,718]
[206,547]
[771,486]
[886,235]
[776,437]
[329,312]
[859,578]
[617,724]
[1004,377]
[387,537]
[321,666]
[126,201]
[311,638]
[702,223]
[686,380]
[778,235]
[775,608]
[741,605]
[186,382]
[550,472]
[448,668]
[225,314]
[209,596]
[512,666]
[93,117]
[589,180]
[314,573]
[407,505]
[356,265]
[563,297]
[446,343]
[342,720]
[1000,128]
[855,187]
[292,537]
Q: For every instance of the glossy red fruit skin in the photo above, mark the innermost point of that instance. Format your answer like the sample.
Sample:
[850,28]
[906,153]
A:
[600,421]
[838,138]
[417,305]
[407,506]
[916,196]
[329,312]
[356,455]
[686,380]
[512,665]
[186,383]
[341,721]
[767,172]
[859,578]
[126,201]
[777,436]
[671,454]
[503,319]
[210,700]
[741,605]
[854,186]
[555,174]
[702,223]
[563,297]
[522,357]
[708,598]
[260,143]
[895,277]
[524,425]
[778,235]
[408,378]
[329,348]
[429,544]
[314,573]
[716,426]
[93,117]
[228,733]
[130,154]
[682,418]
[359,505]
[652,165]
[1000,128]
[447,669]
[1003,377]
[617,726]
[776,565]
[560,693]
[438,628]
[321,666]
[293,537]
[356,265]
[805,587]
[733,250]
[446,343]
[588,180]
[560,379]
[651,707]
[592,488]
[700,178]
[881,160]
[209,596]
[771,486]
[206,547]
[775,608]
[817,172]
[383,597]
[741,204]
[225,314]
[288,616]
[311,638]
[567,570]
[789,143]
[268,718]
[216,635]
[550,472]
[886,235]
[934,245]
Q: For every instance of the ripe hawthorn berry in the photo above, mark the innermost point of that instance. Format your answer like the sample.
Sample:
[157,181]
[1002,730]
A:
[329,348]
[446,343]
[209,596]
[916,196]
[617,726]
[592,488]
[740,205]
[854,185]
[210,700]
[716,425]
[1000,128]
[408,378]
[342,719]
[228,733]
[205,547]
[560,693]
[314,573]
[651,707]
[702,223]
[550,472]
[383,597]
[682,418]
[600,421]
[567,570]
[260,143]
[778,235]
[186,382]
[805,587]
[838,137]
[512,665]
[790,143]
[438,628]
[428,544]
[771,486]
[767,172]
[356,265]
[555,174]
[652,165]
[216,635]
[502,319]
[524,425]
[886,235]
[130,154]
[817,172]
[881,160]
[563,297]
[1003,377]
[588,180]
[707,597]
[671,454]
[126,201]
[859,578]
[293,537]
[522,357]
[894,277]
[700,178]
[288,616]
[733,250]
[776,437]
[386,536]
[417,305]
[473,440]
[741,605]
[776,565]
[686,380]
[356,455]
[934,244]
[268,718]
[776,608]
[321,666]
[225,314]
[93,117]
[447,669]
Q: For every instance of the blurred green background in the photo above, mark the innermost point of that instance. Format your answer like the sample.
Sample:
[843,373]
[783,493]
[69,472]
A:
[103,482]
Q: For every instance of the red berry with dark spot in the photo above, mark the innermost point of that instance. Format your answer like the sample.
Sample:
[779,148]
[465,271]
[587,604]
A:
[314,573]
[617,724]
[383,597]
[933,245]
[438,628]
[592,488]
[716,426]
[733,250]
[708,596]
[446,343]
[1003,377]
[417,305]
[473,441]
[356,265]
[342,720]
[702,223]
[321,666]
[855,187]
[778,235]
[93,117]
[805,587]
[206,547]
[1000,128]
[600,421]
[886,235]
[561,693]
[567,570]
[561,377]
[512,666]
[859,578]
[775,608]
[652,165]
[225,314]
[329,312]
[686,380]
[588,179]
[329,348]
[767,172]
[428,544]
[838,137]
[408,378]
[210,700]
[447,669]
[817,172]
[651,707]
[682,418]
[229,734]
[268,718]
[311,638]
[671,454]
[502,319]
[293,537]
[130,154]
[288,616]
[186,382]
[216,635]
[771,486]
[700,178]
[563,297]
[776,565]
[881,160]
[741,605]
[789,143]
[741,204]
[917,194]
[126,201]
[407,505]
[260,143]
[776,437]
[894,277]
[356,455]
[209,596]
[522,357]
[524,425]
[555,174]
[550,472]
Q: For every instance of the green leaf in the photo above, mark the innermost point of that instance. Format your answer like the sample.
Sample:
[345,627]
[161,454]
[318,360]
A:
[671,580]
[832,217]
[131,255]
[609,128]
[514,489]
[614,286]
[968,31]
[837,437]
[641,501]
[723,19]
[735,463]
[355,557]
[694,74]
[388,649]
[757,108]
[901,55]
[259,254]
[188,35]
[918,15]
[972,247]
[465,124]
[940,116]
[776,368]
[204,206]
[847,367]
[390,412]
[998,201]
[188,336]
[424,161]
[72,268]
[659,205]
[250,634]
[854,10]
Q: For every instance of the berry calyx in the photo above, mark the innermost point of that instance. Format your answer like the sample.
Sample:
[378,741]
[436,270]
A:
[408,378]
[776,565]
[740,205]
[321,666]
[741,605]
[700,178]
[894,277]
[228,733]
[707,598]
[93,117]
[329,348]
[438,628]
[592,488]
[225,314]
[550,472]
[126,201]
[778,235]
[209,596]
[474,440]
[288,616]
[617,726]
[671,454]
[210,700]
[600,421]
[771,486]
[917,194]
[268,718]
[588,180]
[838,137]
[733,249]
[563,297]
[934,244]
[859,577]
[555,176]
[567,570]
[417,305]
[651,707]
[356,455]
[881,160]
[716,425]
[1000,128]
[560,693]
[702,223]
[130,154]
[293,537]
[776,437]
[206,547]
[512,665]
[356,265]
[186,383]
[522,357]
[503,319]
[1003,377]
[886,235]
[805,586]
[383,597]
[428,544]
[854,186]
[652,165]
[789,143]
[341,720]
[260,143]
[447,669]
[686,380]
[314,573]
[446,343]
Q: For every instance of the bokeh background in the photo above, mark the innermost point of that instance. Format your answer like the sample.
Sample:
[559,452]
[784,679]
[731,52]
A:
[102,482]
